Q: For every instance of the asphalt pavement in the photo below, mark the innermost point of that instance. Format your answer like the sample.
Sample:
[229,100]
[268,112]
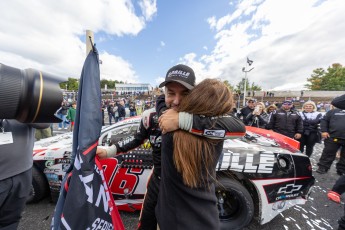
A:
[317,213]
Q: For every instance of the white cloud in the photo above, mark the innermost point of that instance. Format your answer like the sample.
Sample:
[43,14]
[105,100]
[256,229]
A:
[162,43]
[47,34]
[149,7]
[115,68]
[285,39]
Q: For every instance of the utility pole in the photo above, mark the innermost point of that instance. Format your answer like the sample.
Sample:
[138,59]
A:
[245,70]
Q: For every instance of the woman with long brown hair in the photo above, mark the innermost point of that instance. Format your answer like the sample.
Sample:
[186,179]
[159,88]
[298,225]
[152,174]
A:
[187,192]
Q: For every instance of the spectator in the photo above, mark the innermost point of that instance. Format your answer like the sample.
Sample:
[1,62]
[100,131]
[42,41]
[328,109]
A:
[332,128]
[327,106]
[115,111]
[61,113]
[286,121]
[103,109]
[247,110]
[71,114]
[121,110]
[271,108]
[148,105]
[257,118]
[111,113]
[132,109]
[311,120]
[318,106]
[43,133]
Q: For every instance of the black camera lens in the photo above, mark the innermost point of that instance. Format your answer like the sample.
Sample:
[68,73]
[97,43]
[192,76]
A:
[29,96]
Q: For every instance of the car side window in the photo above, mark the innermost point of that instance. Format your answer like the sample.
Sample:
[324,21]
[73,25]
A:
[120,133]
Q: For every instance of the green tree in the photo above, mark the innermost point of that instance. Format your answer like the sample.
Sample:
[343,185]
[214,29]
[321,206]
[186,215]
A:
[70,84]
[331,79]
[231,87]
[249,86]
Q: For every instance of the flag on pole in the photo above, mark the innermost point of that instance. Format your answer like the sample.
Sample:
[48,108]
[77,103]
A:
[250,62]
[85,201]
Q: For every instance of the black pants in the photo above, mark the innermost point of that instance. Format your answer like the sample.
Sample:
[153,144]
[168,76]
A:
[13,195]
[308,141]
[329,153]
[147,219]
[341,222]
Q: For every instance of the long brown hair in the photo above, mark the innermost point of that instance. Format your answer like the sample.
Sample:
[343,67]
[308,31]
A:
[194,156]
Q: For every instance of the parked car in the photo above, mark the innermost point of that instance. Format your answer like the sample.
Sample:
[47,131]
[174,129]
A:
[258,176]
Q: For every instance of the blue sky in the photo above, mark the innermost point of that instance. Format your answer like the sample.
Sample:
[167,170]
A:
[139,40]
[179,27]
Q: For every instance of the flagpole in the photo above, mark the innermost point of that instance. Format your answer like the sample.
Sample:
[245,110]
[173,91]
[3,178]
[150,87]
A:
[89,34]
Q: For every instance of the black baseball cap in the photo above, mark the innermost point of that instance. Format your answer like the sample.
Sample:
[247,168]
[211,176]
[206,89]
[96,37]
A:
[181,74]
[287,102]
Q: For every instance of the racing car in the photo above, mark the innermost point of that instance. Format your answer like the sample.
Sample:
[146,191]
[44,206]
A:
[258,176]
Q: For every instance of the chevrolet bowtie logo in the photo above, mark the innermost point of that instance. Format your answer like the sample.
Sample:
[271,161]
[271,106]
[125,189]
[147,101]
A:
[290,188]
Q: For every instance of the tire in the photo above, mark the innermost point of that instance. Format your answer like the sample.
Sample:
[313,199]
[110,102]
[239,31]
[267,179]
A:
[235,205]
[39,187]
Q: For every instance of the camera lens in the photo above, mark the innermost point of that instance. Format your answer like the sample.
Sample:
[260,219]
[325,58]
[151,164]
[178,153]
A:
[29,96]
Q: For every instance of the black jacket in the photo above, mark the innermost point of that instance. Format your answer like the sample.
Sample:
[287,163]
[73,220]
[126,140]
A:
[63,110]
[257,121]
[311,122]
[121,110]
[334,123]
[244,112]
[286,123]
[182,207]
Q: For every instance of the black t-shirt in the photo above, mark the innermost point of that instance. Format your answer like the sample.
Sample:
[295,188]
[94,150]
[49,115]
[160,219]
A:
[179,206]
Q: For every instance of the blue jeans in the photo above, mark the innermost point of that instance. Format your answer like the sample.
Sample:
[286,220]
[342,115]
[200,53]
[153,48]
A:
[111,117]
[120,119]
[63,118]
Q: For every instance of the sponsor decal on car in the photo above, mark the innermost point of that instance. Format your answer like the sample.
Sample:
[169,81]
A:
[248,163]
[214,133]
[63,161]
[289,188]
[49,163]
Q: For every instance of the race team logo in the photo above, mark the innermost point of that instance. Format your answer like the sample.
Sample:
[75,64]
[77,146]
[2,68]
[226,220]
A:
[289,188]
[214,133]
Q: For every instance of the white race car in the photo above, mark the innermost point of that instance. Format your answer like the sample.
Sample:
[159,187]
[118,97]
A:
[259,175]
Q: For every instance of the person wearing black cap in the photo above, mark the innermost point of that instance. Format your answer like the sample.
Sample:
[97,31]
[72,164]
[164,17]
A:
[182,205]
[179,80]
[332,129]
[339,186]
[187,194]
[286,121]
[244,112]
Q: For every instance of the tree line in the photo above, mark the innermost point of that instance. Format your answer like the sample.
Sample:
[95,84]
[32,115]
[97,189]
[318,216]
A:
[73,84]
[332,79]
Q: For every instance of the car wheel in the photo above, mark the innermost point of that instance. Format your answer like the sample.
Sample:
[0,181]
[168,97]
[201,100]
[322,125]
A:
[39,187]
[235,205]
